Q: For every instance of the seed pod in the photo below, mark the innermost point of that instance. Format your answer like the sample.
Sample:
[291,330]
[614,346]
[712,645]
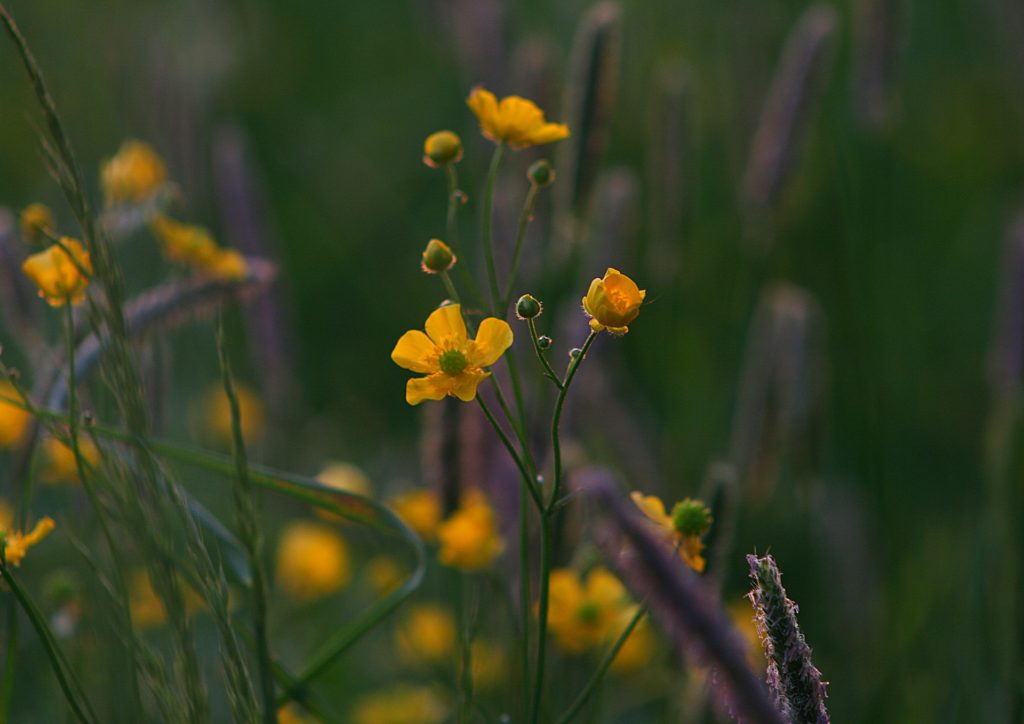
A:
[876,34]
[788,109]
[680,603]
[794,681]
[779,408]
[590,96]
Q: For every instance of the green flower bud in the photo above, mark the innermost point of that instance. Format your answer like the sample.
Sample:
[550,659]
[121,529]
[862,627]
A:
[528,307]
[691,517]
[437,257]
[541,173]
[544,342]
[575,353]
[441,149]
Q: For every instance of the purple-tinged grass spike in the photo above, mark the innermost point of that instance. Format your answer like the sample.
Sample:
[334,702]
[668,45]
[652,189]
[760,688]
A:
[794,681]
[680,603]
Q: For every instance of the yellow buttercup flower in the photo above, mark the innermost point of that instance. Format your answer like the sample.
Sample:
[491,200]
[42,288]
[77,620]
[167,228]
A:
[16,543]
[293,714]
[227,264]
[345,477]
[638,648]
[420,510]
[146,608]
[134,174]
[489,663]
[60,277]
[613,302]
[61,466]
[401,704]
[427,635]
[216,414]
[13,420]
[36,222]
[742,617]
[469,537]
[515,120]
[683,529]
[452,362]
[312,561]
[583,614]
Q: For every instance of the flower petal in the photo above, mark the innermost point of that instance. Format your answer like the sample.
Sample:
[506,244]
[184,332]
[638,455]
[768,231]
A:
[446,327]
[652,507]
[419,389]
[604,588]
[547,133]
[485,106]
[414,352]
[464,386]
[492,339]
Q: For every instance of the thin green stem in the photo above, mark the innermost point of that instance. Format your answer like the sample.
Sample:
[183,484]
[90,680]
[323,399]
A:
[542,615]
[556,444]
[549,371]
[488,225]
[10,664]
[524,587]
[524,221]
[249,531]
[465,674]
[529,482]
[454,202]
[69,684]
[602,668]
[450,287]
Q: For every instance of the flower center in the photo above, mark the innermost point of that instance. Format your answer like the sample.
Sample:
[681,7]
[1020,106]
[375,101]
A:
[453,362]
[588,612]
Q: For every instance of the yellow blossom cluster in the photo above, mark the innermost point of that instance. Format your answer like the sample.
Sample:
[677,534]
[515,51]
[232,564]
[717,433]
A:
[194,247]
[17,543]
[61,272]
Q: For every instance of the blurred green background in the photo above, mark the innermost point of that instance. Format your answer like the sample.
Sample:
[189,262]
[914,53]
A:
[895,227]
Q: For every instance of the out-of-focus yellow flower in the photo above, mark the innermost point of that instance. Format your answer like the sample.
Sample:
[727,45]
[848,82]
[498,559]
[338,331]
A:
[36,221]
[583,614]
[16,543]
[147,610]
[426,635]
[312,561]
[683,529]
[13,419]
[613,302]
[638,648]
[61,466]
[515,120]
[452,362]
[293,714]
[216,413]
[135,173]
[490,664]
[227,264]
[184,243]
[60,277]
[385,575]
[6,514]
[401,704]
[420,510]
[442,148]
[346,477]
[469,537]
[742,616]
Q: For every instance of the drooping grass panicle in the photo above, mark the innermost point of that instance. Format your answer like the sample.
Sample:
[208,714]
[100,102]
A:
[794,681]
[876,27]
[679,602]
[788,109]
[779,410]
[164,308]
[589,99]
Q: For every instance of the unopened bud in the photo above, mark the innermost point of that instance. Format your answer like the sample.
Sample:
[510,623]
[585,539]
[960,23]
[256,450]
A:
[575,353]
[544,342]
[541,173]
[441,149]
[691,517]
[437,257]
[528,307]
